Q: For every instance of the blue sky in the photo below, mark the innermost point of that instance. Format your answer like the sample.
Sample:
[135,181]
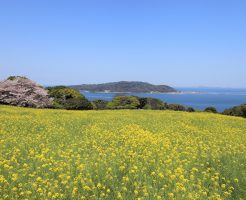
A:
[179,43]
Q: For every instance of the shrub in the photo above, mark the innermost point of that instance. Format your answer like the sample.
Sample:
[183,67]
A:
[124,102]
[239,111]
[99,104]
[63,92]
[243,107]
[176,107]
[151,103]
[190,109]
[68,98]
[142,102]
[210,109]
[77,104]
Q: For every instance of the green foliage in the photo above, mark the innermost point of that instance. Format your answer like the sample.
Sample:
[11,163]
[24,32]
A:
[176,107]
[151,103]
[68,98]
[244,110]
[124,102]
[142,102]
[63,92]
[78,104]
[190,109]
[99,104]
[239,111]
[125,86]
[211,109]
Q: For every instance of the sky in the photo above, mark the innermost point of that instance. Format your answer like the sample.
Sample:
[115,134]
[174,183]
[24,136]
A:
[174,42]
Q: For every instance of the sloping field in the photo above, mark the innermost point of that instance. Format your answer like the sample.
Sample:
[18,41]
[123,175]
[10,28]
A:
[135,154]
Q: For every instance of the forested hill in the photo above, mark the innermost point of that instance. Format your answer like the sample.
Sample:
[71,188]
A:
[124,86]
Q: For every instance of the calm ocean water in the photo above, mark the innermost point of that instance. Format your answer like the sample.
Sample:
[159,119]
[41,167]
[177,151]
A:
[198,98]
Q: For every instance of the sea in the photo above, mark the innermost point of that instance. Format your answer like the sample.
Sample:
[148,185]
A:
[198,98]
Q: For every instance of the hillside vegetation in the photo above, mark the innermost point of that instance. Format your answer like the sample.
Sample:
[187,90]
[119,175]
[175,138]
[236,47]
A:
[124,86]
[121,154]
[23,92]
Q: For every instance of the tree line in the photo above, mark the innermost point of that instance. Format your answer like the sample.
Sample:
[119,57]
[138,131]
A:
[71,99]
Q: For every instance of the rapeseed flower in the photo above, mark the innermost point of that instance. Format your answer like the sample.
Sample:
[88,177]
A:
[56,154]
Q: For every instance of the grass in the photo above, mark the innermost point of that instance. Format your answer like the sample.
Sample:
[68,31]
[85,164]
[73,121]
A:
[121,154]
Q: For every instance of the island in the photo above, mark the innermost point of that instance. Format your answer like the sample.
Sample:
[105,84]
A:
[125,86]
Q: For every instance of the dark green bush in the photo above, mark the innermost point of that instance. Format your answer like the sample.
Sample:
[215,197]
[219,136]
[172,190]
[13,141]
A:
[77,104]
[239,111]
[68,98]
[176,107]
[190,109]
[210,109]
[63,92]
[99,104]
[151,103]
[142,102]
[124,102]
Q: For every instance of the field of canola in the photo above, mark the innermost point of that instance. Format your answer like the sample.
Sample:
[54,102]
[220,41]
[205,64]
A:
[128,154]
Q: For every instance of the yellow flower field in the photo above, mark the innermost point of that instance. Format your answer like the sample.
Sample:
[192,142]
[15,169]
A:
[121,154]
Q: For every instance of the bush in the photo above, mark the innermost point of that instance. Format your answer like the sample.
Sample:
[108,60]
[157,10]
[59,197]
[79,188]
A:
[142,102]
[239,111]
[176,107]
[210,109]
[190,109]
[124,102]
[243,108]
[68,98]
[151,103]
[77,104]
[63,93]
[99,104]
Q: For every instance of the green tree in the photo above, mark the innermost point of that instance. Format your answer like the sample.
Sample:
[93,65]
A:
[77,104]
[68,98]
[210,109]
[151,103]
[124,102]
[176,107]
[239,111]
[190,109]
[244,110]
[99,104]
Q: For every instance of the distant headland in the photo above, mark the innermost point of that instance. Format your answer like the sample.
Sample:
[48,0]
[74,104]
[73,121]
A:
[125,86]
